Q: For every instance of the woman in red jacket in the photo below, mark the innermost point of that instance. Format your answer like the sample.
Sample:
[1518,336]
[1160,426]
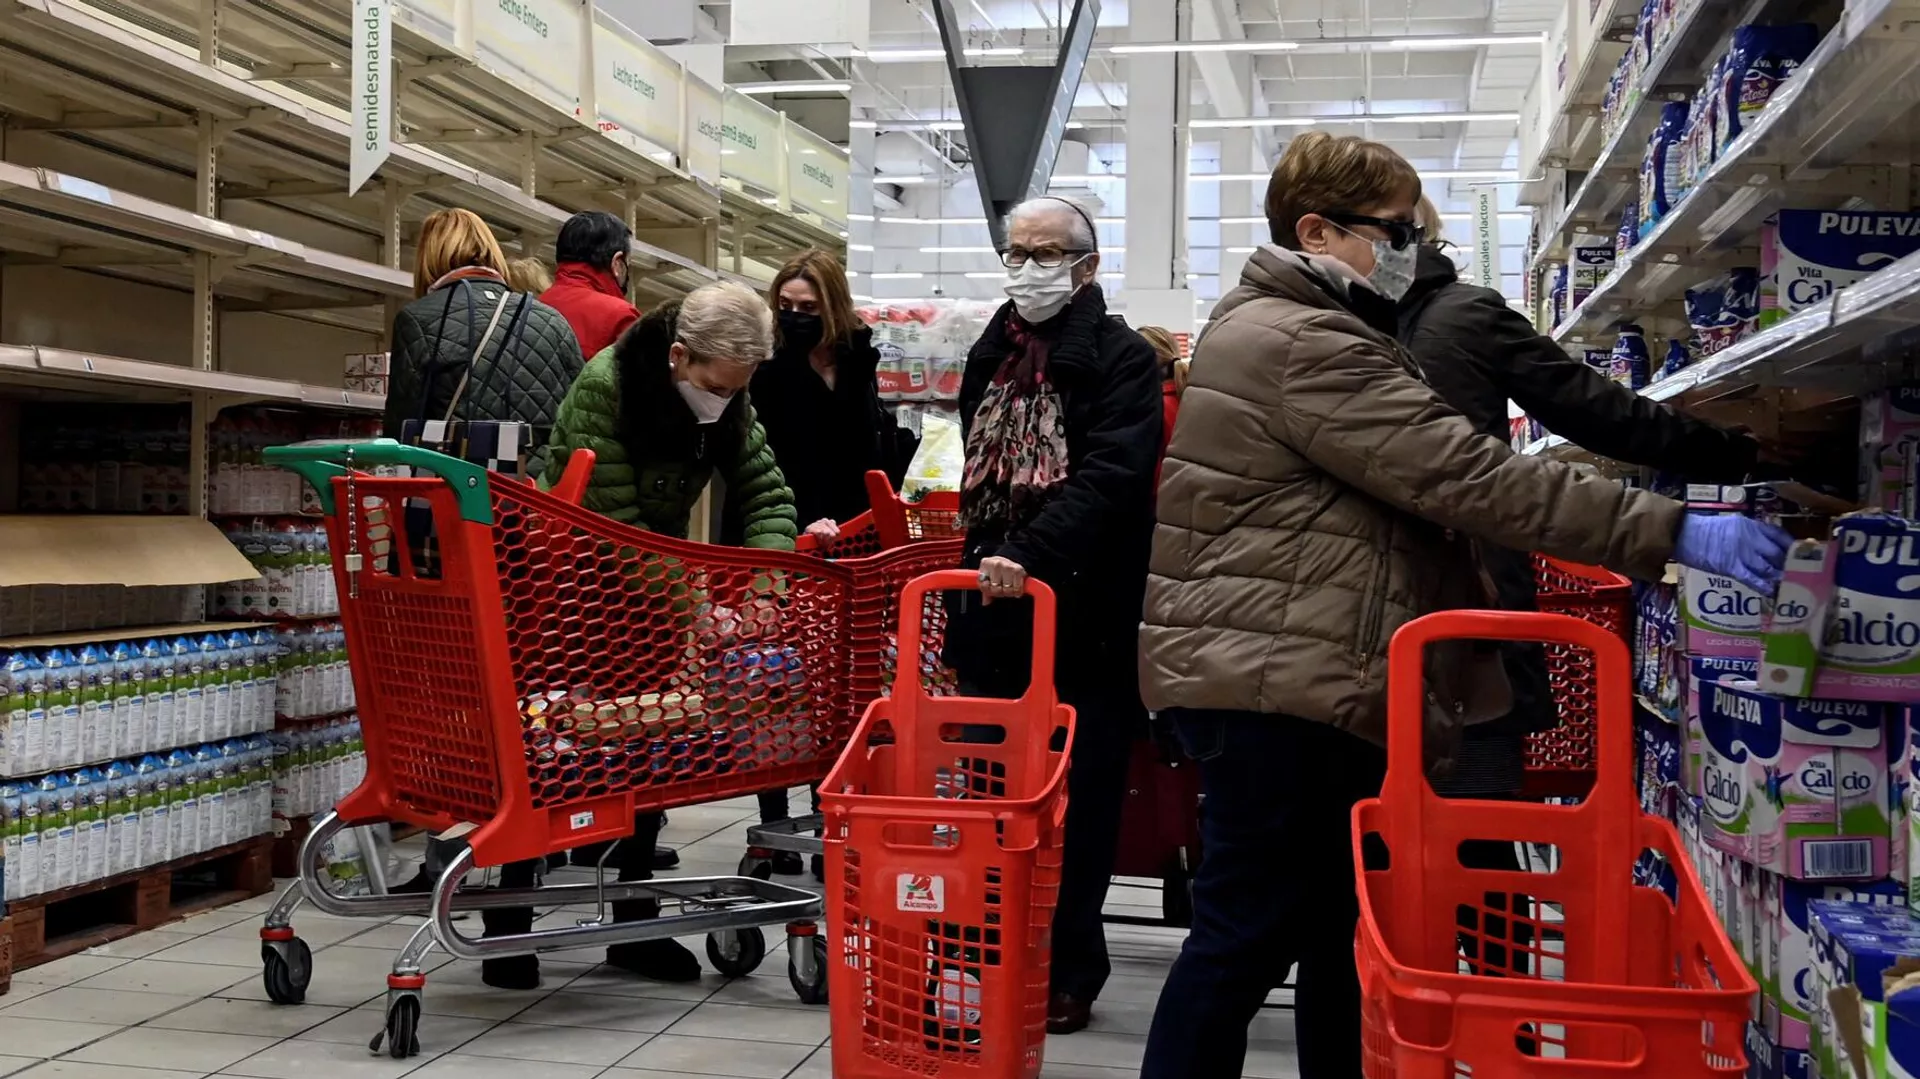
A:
[1173,379]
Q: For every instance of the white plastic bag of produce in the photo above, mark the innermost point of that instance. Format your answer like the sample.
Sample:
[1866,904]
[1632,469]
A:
[938,463]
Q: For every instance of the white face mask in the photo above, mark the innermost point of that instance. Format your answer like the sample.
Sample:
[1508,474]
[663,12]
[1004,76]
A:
[1393,270]
[707,406]
[1037,293]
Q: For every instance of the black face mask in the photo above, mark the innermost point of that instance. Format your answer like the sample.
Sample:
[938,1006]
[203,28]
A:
[799,330]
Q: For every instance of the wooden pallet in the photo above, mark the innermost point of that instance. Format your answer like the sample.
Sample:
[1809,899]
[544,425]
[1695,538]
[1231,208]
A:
[47,927]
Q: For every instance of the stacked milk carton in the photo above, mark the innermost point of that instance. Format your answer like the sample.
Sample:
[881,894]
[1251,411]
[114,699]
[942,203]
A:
[314,766]
[67,829]
[1865,969]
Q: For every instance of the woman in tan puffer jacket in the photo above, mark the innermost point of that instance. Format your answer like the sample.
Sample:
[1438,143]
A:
[1316,496]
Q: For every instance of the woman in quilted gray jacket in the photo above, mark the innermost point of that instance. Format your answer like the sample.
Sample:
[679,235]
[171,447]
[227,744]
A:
[459,280]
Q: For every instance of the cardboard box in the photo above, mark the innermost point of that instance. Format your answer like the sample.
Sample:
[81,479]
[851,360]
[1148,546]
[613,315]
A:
[1867,1022]
[1788,987]
[374,384]
[367,363]
[1798,787]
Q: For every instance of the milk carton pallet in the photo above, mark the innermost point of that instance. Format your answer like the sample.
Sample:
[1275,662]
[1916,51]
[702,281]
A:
[56,924]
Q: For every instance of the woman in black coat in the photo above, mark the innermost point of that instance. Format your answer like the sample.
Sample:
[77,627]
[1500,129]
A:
[819,400]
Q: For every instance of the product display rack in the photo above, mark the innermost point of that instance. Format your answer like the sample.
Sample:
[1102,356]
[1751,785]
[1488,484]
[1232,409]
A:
[175,227]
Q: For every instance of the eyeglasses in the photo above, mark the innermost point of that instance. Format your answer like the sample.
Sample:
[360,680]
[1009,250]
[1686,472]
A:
[1047,258]
[1401,234]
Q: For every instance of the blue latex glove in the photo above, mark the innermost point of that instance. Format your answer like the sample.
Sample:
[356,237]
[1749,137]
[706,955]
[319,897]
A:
[1751,552]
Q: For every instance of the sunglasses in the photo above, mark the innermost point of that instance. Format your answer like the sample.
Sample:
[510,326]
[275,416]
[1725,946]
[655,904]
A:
[1401,234]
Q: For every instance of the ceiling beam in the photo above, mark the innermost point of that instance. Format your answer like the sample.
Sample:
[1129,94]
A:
[1228,76]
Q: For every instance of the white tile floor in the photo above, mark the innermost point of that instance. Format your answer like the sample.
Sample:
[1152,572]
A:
[185,1002]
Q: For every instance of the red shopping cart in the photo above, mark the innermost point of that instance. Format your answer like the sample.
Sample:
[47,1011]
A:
[1560,761]
[561,673]
[1601,977]
[943,865]
[893,521]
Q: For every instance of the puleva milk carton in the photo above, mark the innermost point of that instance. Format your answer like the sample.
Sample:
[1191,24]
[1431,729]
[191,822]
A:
[1796,622]
[1797,787]
[1789,986]
[1719,616]
[1703,671]
[1811,253]
[1871,651]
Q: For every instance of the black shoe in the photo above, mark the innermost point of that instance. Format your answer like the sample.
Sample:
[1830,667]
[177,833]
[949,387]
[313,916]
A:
[819,867]
[666,858]
[521,972]
[787,863]
[421,884]
[664,960]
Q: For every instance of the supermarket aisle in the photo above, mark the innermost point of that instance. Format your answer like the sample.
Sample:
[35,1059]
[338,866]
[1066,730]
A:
[185,1001]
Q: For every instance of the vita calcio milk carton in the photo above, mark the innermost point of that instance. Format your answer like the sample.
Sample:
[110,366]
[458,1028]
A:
[1870,647]
[1797,787]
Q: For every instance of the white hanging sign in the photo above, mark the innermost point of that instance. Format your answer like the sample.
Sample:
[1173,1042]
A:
[1486,238]
[372,90]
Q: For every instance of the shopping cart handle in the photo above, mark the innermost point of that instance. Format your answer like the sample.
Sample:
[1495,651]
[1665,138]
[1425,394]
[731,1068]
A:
[319,462]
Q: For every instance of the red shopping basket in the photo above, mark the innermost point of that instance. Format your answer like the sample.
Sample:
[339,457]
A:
[943,865]
[1560,761]
[564,671]
[894,522]
[1597,976]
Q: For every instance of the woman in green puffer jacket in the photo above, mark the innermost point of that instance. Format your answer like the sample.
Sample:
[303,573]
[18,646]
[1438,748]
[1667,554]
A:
[666,407]
[663,409]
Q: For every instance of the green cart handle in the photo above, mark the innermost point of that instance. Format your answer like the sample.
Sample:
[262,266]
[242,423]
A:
[319,462]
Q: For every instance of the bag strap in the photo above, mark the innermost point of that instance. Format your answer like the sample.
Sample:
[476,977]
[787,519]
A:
[479,350]
[509,346]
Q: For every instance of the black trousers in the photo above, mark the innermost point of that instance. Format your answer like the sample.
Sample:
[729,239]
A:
[1106,722]
[773,803]
[1274,891]
[632,857]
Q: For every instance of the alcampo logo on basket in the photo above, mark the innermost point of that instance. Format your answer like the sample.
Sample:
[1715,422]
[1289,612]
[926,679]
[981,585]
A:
[631,79]
[524,14]
[924,893]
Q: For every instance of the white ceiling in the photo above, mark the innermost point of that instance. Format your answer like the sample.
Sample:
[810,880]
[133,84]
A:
[1318,82]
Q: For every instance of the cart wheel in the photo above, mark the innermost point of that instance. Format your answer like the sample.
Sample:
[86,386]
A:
[402,1033]
[287,969]
[814,990]
[757,868]
[736,953]
[1176,895]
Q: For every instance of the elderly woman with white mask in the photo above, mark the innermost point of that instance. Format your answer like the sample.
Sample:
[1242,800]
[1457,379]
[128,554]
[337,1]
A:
[1061,408]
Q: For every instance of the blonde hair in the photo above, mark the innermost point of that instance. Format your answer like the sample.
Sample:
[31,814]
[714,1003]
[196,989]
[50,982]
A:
[1321,173]
[451,240]
[529,274]
[1163,344]
[1429,218]
[725,321]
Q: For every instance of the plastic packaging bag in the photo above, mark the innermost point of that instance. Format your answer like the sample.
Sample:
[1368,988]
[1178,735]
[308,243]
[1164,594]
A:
[938,463]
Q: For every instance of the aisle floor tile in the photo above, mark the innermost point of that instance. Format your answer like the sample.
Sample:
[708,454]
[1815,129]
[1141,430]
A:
[42,1038]
[72,1069]
[559,1045]
[465,1066]
[115,1007]
[68,971]
[359,1026]
[329,1060]
[755,1024]
[717,1056]
[196,1051]
[140,945]
[218,1014]
[568,1008]
[172,977]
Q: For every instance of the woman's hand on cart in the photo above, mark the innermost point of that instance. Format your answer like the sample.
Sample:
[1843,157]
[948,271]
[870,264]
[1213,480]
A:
[1001,578]
[825,532]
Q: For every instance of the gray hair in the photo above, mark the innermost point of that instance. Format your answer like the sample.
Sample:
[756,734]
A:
[1079,221]
[726,321]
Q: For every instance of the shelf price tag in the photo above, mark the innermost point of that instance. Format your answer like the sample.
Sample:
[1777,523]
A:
[372,90]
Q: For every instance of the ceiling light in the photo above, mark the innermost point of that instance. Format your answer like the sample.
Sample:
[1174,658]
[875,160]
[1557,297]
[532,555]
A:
[1203,46]
[1227,177]
[913,275]
[1086,179]
[1437,117]
[1470,41]
[903,181]
[859,247]
[1240,250]
[1468,174]
[900,56]
[956,251]
[1256,121]
[859,217]
[853,273]
[1243,221]
[794,86]
[857,298]
[861,125]
[984,275]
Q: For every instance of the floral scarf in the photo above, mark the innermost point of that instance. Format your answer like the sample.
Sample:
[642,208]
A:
[1017,450]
